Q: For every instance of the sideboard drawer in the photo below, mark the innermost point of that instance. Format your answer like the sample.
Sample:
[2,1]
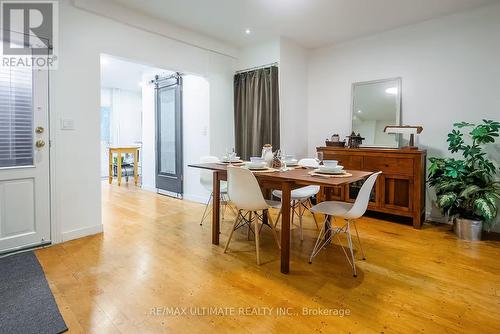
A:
[389,165]
[348,161]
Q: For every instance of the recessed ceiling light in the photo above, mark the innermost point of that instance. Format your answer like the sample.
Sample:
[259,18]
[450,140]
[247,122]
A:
[248,31]
[392,90]
[359,111]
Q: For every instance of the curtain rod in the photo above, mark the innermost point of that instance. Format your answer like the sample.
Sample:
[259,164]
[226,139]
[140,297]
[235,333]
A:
[257,67]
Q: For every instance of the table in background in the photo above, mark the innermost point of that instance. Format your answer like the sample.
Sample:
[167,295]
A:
[284,181]
[120,151]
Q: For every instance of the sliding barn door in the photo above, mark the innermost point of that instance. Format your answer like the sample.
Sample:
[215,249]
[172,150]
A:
[24,158]
[169,168]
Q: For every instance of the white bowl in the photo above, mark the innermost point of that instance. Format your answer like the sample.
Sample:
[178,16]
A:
[234,159]
[330,163]
[336,169]
[256,165]
[256,159]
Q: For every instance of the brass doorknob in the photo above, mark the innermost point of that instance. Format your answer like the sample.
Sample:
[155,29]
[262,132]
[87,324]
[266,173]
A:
[40,143]
[39,129]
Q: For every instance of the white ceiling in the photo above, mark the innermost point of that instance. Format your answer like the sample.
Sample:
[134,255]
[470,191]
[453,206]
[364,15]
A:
[311,23]
[124,74]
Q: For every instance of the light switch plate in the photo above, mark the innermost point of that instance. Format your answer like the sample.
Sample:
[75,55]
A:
[67,124]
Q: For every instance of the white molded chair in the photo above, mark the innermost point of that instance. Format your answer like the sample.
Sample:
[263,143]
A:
[207,183]
[244,192]
[301,197]
[348,212]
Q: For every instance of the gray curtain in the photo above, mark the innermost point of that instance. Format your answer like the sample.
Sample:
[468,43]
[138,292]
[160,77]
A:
[256,111]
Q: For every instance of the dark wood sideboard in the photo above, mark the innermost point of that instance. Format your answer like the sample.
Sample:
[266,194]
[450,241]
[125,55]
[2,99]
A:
[400,189]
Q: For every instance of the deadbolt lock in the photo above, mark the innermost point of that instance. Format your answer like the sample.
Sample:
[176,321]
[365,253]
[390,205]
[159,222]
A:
[40,143]
[39,129]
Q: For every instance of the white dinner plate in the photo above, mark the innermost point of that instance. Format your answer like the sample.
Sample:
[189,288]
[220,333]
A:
[335,169]
[257,167]
[329,171]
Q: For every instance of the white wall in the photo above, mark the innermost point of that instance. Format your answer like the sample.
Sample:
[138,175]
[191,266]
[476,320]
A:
[449,67]
[196,133]
[259,54]
[148,137]
[76,95]
[293,98]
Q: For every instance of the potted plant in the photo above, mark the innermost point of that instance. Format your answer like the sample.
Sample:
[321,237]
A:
[466,188]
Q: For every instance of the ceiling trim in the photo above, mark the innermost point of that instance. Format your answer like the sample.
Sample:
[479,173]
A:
[156,26]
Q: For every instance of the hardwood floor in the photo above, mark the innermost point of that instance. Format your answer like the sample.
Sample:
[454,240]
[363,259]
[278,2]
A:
[154,255]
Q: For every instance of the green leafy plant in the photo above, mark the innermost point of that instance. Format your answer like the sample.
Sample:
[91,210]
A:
[467,187]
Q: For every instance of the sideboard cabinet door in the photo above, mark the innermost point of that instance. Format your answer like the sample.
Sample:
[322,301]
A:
[397,192]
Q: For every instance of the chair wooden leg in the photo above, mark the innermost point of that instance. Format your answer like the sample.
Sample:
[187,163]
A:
[232,231]
[257,237]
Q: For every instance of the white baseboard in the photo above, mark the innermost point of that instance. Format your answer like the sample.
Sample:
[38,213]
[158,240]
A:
[82,232]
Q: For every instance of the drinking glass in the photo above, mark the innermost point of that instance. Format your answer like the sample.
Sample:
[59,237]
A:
[231,156]
[282,157]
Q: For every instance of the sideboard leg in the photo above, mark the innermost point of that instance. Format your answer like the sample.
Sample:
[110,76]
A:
[417,221]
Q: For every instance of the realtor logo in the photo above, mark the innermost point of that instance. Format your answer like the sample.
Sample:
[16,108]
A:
[29,31]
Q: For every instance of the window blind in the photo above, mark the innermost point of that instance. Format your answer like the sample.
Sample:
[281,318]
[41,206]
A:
[16,116]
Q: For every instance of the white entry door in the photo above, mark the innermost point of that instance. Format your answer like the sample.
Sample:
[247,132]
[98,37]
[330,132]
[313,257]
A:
[24,158]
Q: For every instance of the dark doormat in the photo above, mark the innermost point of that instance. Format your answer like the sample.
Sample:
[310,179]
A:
[26,302]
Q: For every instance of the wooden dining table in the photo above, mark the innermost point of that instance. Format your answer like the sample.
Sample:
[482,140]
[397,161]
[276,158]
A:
[285,181]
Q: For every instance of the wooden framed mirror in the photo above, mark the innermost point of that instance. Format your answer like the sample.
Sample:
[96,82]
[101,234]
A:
[376,104]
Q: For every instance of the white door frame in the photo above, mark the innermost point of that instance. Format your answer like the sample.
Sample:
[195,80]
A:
[55,226]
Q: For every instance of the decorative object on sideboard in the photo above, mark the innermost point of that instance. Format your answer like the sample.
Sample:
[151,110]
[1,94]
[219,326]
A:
[355,140]
[467,189]
[335,141]
[405,129]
